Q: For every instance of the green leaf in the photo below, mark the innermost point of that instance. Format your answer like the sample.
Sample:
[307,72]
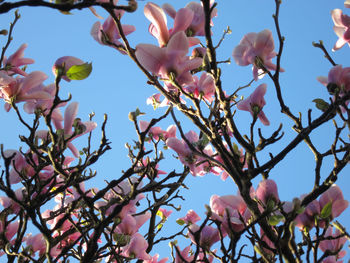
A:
[270,205]
[236,150]
[326,210]
[275,219]
[203,141]
[180,222]
[321,104]
[300,210]
[79,72]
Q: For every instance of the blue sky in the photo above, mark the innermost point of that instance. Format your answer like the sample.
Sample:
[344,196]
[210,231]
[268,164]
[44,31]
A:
[116,87]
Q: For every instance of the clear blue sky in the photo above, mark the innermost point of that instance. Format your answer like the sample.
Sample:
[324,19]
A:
[116,87]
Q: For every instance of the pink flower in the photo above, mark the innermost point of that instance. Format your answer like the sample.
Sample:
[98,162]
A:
[334,196]
[108,34]
[268,242]
[73,127]
[169,60]
[191,217]
[307,218]
[255,103]
[196,21]
[154,259]
[158,27]
[204,87]
[208,236]
[256,49]
[341,28]
[334,245]
[131,224]
[338,80]
[7,202]
[21,89]
[266,191]
[16,60]
[36,243]
[185,254]
[136,248]
[44,105]
[63,64]
[163,213]
[230,209]
[10,230]
[156,132]
[198,165]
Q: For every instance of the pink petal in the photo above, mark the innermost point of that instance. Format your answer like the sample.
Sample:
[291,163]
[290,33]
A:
[157,17]
[151,57]
[69,117]
[178,43]
[182,20]
[169,9]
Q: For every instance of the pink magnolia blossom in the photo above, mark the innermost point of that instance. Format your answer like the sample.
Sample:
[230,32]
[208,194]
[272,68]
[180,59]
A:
[21,88]
[268,242]
[108,34]
[7,202]
[334,196]
[191,217]
[255,103]
[230,208]
[338,80]
[334,245]
[185,254]
[123,188]
[341,28]
[131,224]
[16,60]
[145,162]
[169,60]
[198,165]
[224,174]
[136,248]
[156,132]
[21,169]
[36,243]
[203,87]
[18,164]
[266,191]
[10,230]
[158,27]
[197,20]
[154,259]
[208,235]
[164,213]
[63,64]
[69,130]
[154,100]
[307,218]
[45,105]
[256,49]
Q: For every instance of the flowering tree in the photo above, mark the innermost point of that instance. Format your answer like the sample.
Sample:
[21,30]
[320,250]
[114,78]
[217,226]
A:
[49,213]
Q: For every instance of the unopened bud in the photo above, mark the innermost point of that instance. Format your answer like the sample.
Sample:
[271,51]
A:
[4,32]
